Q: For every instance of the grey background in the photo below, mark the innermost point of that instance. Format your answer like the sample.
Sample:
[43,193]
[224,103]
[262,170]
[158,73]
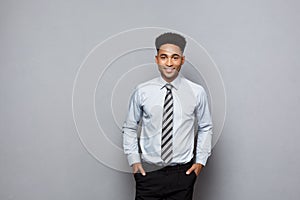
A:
[254,43]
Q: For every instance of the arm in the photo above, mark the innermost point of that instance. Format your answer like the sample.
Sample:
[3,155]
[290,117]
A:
[204,134]
[130,136]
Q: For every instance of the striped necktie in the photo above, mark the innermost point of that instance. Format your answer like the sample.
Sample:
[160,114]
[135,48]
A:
[167,126]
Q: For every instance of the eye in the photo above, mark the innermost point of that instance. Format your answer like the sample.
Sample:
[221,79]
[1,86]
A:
[175,57]
[162,57]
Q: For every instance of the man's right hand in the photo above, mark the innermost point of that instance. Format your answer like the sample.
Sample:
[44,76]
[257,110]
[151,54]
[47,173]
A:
[138,168]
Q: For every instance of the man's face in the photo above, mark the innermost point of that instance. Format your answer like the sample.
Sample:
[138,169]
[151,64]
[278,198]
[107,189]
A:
[169,60]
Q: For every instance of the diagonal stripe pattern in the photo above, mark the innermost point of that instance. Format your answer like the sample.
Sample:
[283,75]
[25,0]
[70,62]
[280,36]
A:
[167,126]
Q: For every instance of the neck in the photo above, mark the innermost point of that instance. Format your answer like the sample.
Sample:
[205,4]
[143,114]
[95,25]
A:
[169,80]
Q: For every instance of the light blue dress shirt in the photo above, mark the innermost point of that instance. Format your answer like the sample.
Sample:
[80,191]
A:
[190,109]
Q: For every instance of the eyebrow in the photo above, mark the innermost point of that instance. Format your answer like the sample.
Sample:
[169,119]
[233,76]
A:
[163,54]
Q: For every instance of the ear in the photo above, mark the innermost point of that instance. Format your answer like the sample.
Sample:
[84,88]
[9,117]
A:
[156,59]
[182,60]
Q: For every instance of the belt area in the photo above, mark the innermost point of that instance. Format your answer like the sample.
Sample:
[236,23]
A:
[152,167]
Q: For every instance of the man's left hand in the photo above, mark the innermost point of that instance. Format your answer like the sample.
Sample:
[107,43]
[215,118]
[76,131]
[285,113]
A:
[196,168]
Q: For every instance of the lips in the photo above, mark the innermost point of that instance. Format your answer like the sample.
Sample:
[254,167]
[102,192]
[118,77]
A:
[169,69]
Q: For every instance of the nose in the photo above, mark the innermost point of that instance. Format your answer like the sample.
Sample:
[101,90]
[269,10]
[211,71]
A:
[169,62]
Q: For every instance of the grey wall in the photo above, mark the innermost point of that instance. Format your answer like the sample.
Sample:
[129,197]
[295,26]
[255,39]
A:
[255,44]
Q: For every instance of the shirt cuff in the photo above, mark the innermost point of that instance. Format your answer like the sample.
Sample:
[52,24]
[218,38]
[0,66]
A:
[133,158]
[202,159]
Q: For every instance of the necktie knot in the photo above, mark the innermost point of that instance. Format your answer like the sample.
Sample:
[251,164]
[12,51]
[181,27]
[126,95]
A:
[168,86]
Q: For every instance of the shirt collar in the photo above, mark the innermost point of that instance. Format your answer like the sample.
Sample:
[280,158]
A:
[175,83]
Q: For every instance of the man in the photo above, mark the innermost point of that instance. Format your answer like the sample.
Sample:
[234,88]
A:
[163,159]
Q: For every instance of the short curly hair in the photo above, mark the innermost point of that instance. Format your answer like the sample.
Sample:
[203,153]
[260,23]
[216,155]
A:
[170,38]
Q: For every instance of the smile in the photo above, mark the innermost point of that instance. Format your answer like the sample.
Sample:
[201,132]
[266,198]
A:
[169,69]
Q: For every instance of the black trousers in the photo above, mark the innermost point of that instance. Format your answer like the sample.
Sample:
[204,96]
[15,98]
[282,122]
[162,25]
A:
[168,183]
